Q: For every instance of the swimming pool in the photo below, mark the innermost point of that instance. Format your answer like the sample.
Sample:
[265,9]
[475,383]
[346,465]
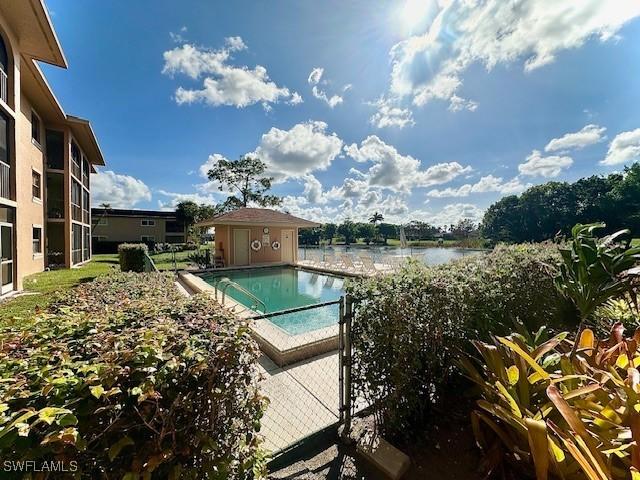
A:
[282,288]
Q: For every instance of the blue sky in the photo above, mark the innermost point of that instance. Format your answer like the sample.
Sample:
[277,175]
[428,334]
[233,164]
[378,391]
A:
[419,109]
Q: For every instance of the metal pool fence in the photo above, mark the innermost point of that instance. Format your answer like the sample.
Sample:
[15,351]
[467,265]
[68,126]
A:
[307,380]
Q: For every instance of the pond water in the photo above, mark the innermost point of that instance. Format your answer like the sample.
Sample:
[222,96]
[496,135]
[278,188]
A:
[429,255]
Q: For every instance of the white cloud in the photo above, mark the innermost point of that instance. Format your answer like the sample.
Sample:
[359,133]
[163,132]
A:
[315,76]
[624,148]
[223,84]
[389,115]
[313,190]
[178,37]
[492,32]
[399,172]
[457,104]
[453,213]
[488,183]
[120,191]
[551,166]
[314,79]
[174,198]
[303,149]
[588,135]
[211,162]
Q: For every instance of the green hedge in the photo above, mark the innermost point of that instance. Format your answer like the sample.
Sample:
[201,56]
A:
[132,256]
[131,380]
[408,328]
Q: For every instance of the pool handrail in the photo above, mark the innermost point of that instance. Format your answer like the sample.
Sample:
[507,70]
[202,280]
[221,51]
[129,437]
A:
[227,282]
[294,310]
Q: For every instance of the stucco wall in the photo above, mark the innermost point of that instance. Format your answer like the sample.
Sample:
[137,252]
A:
[30,211]
[224,239]
[129,229]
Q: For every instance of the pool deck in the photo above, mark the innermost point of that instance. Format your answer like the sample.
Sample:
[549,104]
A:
[303,396]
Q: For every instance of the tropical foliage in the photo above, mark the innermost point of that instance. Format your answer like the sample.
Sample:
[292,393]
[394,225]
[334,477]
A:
[131,380]
[543,211]
[570,416]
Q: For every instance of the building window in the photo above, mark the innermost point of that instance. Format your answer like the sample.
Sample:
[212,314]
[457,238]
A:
[100,238]
[36,134]
[76,160]
[37,240]
[85,206]
[36,185]
[4,70]
[85,172]
[76,201]
[147,238]
[146,222]
[76,243]
[55,149]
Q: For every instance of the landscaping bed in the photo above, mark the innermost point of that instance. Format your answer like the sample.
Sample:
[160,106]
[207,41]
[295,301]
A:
[123,377]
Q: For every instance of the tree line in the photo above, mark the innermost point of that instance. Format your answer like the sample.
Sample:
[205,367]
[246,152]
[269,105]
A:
[544,211]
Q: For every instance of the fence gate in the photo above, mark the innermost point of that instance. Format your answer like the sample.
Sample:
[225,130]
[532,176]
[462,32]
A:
[309,396]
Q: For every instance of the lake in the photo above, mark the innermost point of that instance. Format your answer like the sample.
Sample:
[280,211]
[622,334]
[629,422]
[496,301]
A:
[429,255]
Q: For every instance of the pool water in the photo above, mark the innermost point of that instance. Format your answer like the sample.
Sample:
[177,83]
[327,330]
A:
[282,288]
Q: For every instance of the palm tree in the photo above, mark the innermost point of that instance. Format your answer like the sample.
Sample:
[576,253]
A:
[375,218]
[106,209]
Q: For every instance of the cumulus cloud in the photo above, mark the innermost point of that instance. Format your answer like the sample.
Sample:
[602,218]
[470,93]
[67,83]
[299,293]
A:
[399,172]
[588,135]
[223,84]
[174,198]
[455,212]
[488,183]
[624,148]
[539,166]
[390,115]
[314,79]
[491,32]
[120,191]
[293,153]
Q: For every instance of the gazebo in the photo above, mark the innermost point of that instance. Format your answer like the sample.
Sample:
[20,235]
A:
[251,236]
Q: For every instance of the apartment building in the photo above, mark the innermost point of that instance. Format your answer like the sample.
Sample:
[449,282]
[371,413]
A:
[112,226]
[46,155]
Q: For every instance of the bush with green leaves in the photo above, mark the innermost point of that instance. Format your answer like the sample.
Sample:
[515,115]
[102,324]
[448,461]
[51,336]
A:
[131,380]
[132,256]
[409,327]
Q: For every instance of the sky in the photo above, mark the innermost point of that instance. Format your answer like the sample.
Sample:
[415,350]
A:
[427,110]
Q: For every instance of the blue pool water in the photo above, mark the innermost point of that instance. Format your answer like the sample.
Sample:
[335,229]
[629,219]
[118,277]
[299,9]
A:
[282,288]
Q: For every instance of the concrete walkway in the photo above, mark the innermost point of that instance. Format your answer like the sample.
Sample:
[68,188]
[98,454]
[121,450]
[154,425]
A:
[304,398]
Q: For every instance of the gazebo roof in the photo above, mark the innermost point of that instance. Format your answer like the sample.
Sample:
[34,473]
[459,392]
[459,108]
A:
[257,216]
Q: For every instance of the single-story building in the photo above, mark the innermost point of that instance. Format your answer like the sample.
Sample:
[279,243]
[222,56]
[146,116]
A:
[115,225]
[249,236]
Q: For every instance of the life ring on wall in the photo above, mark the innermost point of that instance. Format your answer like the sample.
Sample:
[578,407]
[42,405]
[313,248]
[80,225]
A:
[275,245]
[256,245]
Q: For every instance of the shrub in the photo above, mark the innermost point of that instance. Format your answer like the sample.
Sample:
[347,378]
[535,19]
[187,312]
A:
[409,327]
[131,380]
[555,413]
[132,256]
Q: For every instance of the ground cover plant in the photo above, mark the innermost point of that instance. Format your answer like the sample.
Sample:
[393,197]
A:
[409,328]
[131,380]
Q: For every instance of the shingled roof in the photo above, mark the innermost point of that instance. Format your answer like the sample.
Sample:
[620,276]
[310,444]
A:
[257,216]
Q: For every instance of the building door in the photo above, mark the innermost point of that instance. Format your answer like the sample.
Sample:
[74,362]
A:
[287,246]
[241,247]
[6,257]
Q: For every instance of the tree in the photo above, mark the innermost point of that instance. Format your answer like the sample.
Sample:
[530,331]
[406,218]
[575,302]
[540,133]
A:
[190,213]
[387,230]
[310,236]
[106,208]
[246,177]
[329,231]
[543,211]
[367,231]
[375,218]
[348,230]
[463,229]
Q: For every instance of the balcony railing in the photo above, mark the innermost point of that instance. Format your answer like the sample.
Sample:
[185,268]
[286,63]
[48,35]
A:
[4,94]
[5,181]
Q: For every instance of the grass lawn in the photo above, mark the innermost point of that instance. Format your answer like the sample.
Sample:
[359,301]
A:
[43,286]
[164,261]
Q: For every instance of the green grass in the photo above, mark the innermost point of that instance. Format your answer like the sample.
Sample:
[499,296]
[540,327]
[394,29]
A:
[42,287]
[164,261]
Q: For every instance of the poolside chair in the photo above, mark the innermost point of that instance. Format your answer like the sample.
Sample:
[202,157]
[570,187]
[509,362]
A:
[368,265]
[347,264]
